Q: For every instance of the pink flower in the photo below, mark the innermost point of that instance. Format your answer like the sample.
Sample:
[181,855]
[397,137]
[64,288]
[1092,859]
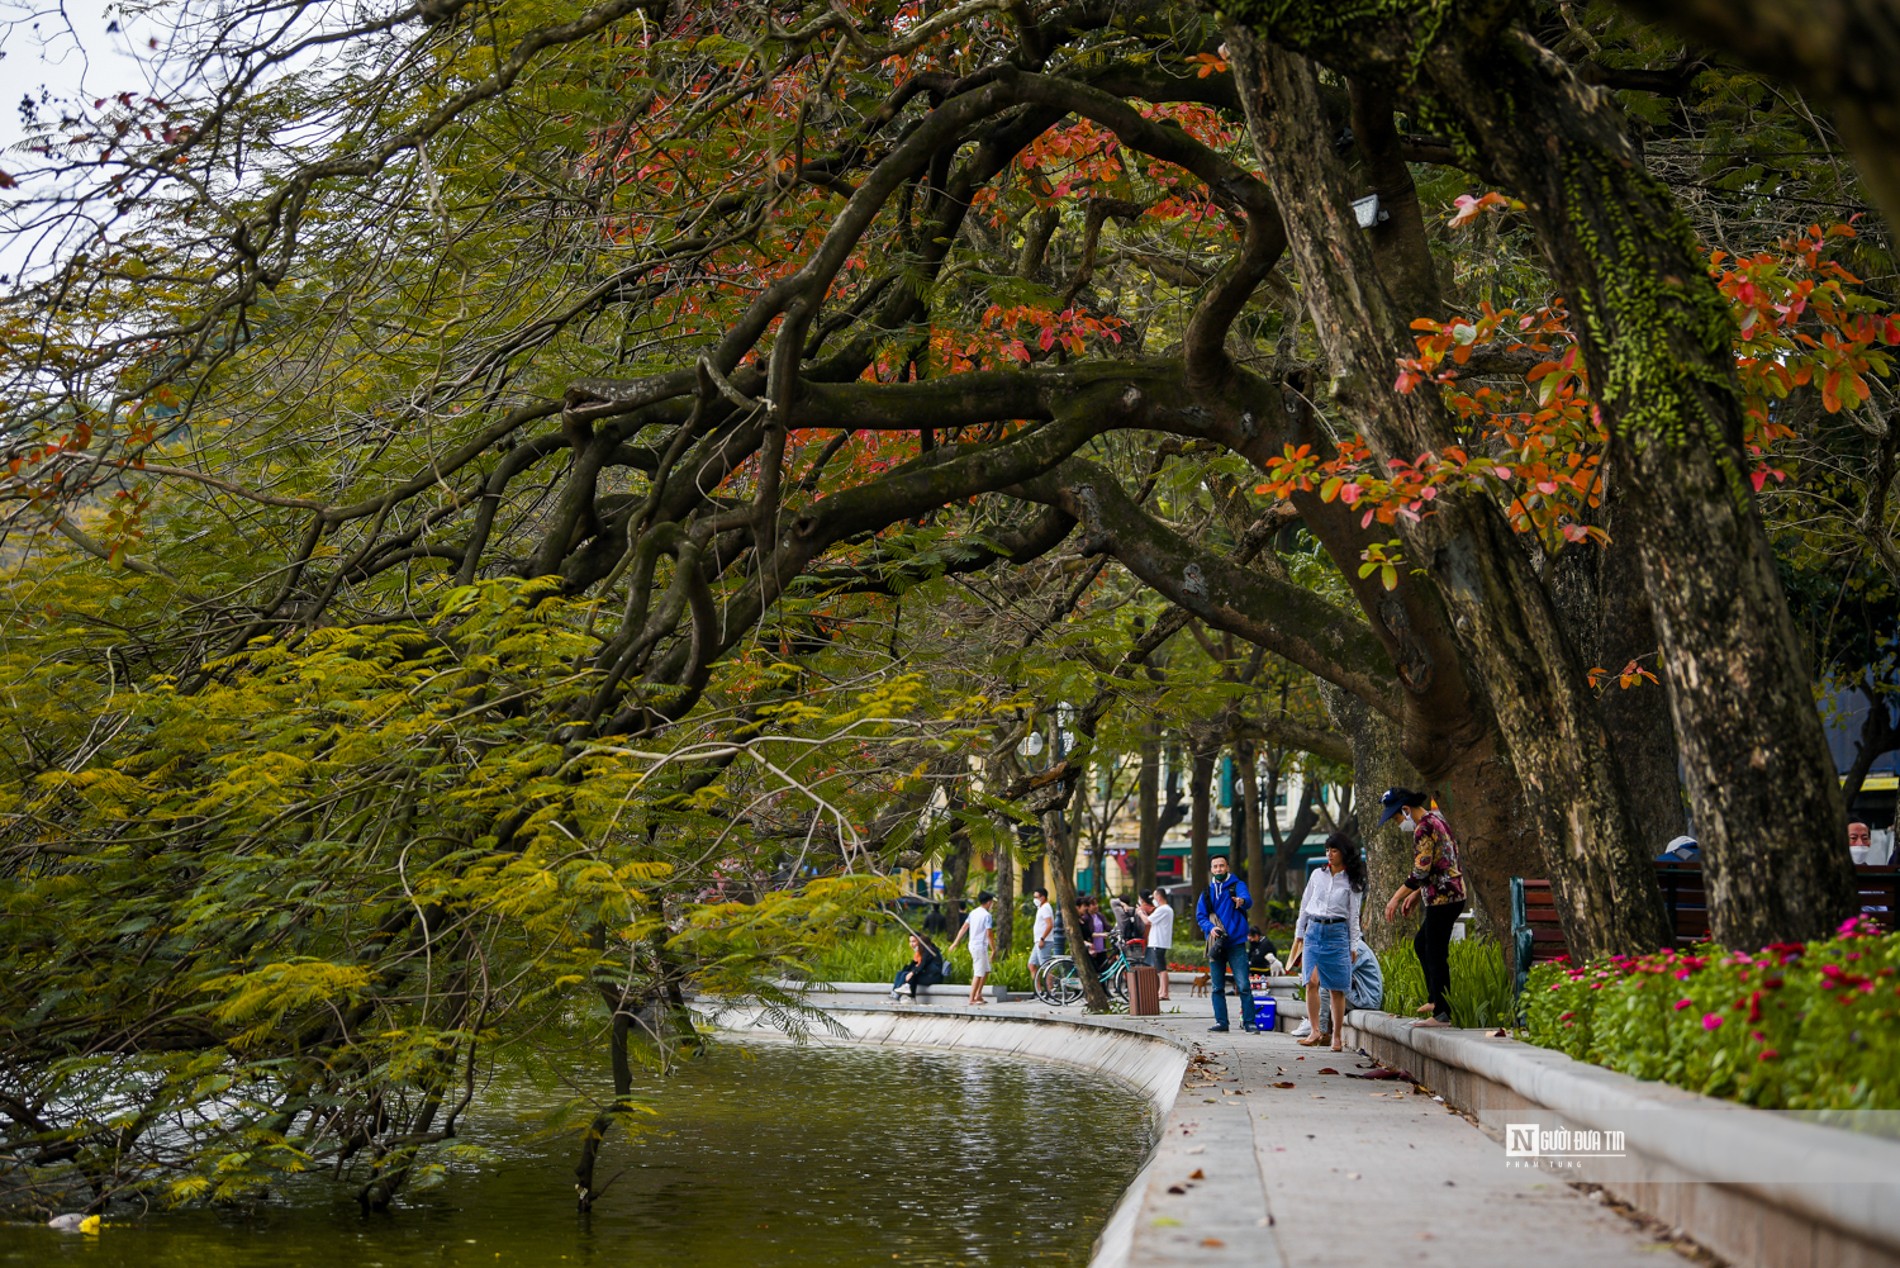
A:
[1711,1021]
[1768,1054]
[1682,1004]
[1682,975]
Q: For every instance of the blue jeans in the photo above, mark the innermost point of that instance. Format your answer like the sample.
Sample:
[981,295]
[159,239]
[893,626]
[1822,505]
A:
[1234,962]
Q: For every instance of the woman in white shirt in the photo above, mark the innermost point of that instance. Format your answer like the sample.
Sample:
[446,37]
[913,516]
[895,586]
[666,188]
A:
[1327,930]
[1160,918]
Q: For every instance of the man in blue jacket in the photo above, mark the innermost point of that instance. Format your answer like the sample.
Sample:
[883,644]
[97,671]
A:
[1223,910]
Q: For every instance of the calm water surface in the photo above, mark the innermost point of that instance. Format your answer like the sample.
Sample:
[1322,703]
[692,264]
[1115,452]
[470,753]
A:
[758,1154]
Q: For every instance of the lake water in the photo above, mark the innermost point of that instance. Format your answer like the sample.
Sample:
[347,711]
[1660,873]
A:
[761,1153]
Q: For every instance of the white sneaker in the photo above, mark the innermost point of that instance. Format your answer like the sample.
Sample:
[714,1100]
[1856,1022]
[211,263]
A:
[1304,1029]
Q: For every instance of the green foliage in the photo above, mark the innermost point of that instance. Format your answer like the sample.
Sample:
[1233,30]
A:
[876,957]
[1480,994]
[1813,1027]
[304,899]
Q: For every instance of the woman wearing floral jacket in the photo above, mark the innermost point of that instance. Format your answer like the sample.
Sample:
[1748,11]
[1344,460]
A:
[1436,875]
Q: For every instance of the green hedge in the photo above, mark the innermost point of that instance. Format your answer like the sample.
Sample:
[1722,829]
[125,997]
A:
[876,957]
[1789,1027]
[1480,993]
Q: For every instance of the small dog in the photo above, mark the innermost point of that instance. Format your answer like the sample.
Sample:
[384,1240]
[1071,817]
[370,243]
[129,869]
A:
[1200,983]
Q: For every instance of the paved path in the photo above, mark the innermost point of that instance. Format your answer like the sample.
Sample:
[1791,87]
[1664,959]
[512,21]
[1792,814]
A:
[1341,1170]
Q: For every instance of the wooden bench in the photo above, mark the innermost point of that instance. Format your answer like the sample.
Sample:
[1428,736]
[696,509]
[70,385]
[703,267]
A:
[1537,936]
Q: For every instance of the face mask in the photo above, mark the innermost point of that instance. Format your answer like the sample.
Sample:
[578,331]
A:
[1405,821]
[1859,852]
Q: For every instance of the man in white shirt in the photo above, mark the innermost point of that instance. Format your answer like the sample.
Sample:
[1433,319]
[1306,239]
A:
[1160,917]
[980,925]
[1042,939]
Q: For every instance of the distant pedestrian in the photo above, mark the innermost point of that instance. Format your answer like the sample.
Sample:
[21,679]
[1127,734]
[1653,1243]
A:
[1160,934]
[1436,875]
[934,923]
[1094,933]
[980,926]
[1327,933]
[1222,915]
[1129,925]
[1042,939]
[1261,953]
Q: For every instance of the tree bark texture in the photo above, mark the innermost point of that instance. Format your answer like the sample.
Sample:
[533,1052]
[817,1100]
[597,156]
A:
[1657,338]
[1148,803]
[1605,887]
[1378,763]
[1061,858]
[1250,840]
[1201,807]
[1606,607]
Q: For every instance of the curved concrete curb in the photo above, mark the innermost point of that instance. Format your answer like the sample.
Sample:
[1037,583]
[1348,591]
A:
[1724,1173]
[1152,1064]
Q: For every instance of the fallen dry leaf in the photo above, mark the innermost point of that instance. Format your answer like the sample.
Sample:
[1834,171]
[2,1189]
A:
[1197,1174]
[1283,1085]
[1326,1069]
[1176,1189]
[1212,1241]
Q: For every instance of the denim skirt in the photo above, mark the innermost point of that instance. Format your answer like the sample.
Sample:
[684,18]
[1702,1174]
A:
[1329,953]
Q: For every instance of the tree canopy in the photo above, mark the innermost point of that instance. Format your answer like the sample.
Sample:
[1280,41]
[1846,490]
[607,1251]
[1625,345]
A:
[517,514]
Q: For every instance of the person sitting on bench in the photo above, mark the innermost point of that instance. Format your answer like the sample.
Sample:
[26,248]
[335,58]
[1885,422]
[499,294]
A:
[925,969]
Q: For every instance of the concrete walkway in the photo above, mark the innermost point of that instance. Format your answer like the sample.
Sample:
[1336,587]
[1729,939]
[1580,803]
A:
[1275,1155]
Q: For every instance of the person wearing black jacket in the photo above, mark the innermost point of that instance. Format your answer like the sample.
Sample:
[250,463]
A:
[1260,951]
[925,969]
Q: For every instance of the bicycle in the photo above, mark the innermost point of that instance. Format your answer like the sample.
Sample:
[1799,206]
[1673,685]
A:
[1061,983]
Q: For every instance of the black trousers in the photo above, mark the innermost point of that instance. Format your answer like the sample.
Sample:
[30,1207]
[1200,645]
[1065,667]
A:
[918,976]
[1433,944]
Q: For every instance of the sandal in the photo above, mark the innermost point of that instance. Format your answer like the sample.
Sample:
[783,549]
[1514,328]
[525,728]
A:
[1313,1041]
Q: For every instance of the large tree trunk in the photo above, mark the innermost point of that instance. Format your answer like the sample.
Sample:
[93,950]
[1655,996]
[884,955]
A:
[1148,803]
[1605,606]
[1005,908]
[1201,809]
[1061,857]
[1250,838]
[1658,339]
[1305,816]
[956,881]
[1378,763]
[1605,887]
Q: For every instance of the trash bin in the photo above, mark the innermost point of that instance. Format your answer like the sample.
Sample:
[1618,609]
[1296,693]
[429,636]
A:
[1144,991]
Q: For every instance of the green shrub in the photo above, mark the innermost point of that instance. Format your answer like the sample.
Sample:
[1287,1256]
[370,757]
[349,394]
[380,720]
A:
[1790,1027]
[876,957]
[1480,994]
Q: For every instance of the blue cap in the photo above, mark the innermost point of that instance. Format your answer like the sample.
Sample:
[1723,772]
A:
[1397,799]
